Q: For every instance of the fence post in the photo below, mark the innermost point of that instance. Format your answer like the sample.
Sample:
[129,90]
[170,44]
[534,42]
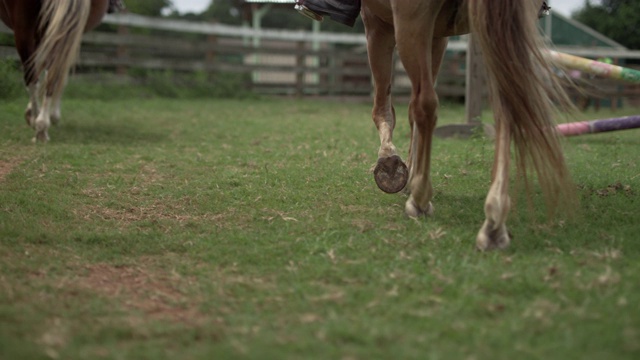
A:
[210,54]
[474,85]
[474,91]
[334,82]
[122,52]
[300,66]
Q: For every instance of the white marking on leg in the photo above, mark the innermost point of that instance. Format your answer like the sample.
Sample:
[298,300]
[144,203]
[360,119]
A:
[43,120]
[31,111]
[387,149]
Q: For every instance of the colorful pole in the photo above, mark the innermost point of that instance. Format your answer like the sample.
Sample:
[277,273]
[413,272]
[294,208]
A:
[596,67]
[597,126]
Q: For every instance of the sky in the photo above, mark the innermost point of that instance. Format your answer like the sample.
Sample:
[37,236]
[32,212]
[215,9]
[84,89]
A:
[565,7]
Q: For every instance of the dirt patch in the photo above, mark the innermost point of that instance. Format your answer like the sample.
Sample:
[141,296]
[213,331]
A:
[152,212]
[159,295]
[176,212]
[7,166]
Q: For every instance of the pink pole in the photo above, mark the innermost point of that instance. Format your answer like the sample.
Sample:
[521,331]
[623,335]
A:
[597,126]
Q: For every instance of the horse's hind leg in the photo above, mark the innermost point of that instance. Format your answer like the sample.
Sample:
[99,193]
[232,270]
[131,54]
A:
[494,234]
[49,109]
[33,106]
[390,173]
[26,47]
[56,110]
[43,121]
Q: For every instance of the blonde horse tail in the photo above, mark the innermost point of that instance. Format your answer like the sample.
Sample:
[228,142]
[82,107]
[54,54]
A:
[524,90]
[63,23]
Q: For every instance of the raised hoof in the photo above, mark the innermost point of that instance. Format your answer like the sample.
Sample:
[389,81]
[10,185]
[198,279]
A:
[414,211]
[490,238]
[391,174]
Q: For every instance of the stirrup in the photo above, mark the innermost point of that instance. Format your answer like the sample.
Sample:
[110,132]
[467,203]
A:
[308,12]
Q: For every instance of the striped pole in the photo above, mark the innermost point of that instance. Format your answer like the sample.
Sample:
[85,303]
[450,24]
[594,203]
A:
[597,126]
[596,67]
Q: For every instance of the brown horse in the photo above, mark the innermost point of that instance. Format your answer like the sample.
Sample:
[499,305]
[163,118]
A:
[522,89]
[47,35]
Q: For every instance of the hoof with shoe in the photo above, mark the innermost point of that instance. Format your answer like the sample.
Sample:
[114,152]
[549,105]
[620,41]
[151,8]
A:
[391,174]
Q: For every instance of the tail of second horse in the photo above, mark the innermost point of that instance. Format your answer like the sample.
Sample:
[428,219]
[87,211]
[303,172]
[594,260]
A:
[63,23]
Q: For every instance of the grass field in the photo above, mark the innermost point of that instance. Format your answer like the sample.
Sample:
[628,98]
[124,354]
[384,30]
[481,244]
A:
[229,229]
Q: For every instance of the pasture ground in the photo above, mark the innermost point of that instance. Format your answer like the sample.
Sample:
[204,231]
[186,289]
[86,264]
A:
[230,229]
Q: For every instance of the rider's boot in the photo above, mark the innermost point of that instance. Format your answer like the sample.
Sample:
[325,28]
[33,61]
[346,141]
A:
[343,11]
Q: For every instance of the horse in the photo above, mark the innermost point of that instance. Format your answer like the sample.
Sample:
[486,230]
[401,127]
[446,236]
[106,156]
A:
[523,95]
[47,36]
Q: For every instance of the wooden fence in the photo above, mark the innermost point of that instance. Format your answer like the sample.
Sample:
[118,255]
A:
[273,61]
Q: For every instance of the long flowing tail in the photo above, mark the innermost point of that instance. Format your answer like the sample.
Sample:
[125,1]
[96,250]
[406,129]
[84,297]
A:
[63,23]
[524,90]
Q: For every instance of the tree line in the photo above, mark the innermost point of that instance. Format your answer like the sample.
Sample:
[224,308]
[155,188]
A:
[616,19]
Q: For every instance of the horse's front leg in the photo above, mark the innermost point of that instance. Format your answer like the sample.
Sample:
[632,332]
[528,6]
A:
[31,112]
[390,173]
[423,112]
[43,121]
[422,65]
[26,46]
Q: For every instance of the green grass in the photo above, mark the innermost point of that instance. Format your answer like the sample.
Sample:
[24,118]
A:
[214,229]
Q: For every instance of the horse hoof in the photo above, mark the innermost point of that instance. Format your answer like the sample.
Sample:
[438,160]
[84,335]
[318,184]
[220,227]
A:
[41,137]
[414,211]
[493,239]
[391,174]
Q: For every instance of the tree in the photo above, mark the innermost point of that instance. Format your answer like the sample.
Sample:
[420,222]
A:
[617,19]
[224,11]
[148,7]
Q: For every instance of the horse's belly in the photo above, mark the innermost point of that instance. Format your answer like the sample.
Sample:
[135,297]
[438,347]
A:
[452,20]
